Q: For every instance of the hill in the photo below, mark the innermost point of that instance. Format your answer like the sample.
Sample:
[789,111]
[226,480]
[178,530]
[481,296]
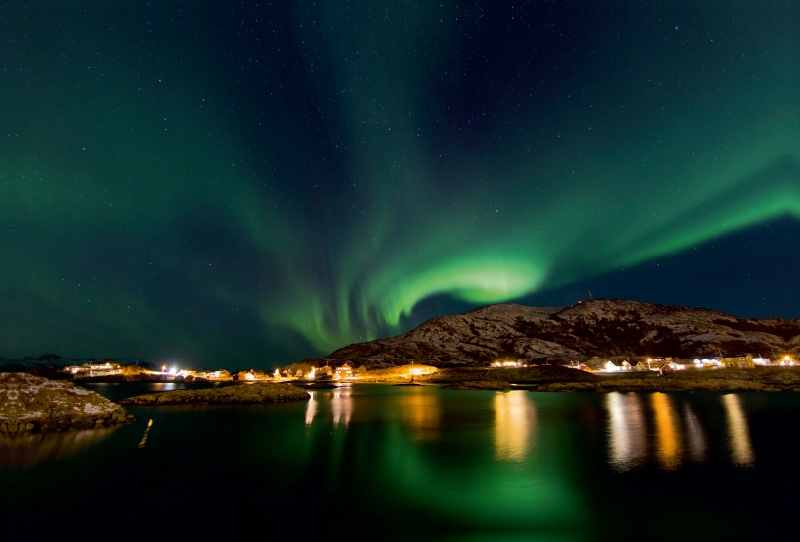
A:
[597,328]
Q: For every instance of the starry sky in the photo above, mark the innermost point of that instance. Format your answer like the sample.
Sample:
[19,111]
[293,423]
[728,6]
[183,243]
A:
[251,183]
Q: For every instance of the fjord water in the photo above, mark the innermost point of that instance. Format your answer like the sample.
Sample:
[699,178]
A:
[389,463]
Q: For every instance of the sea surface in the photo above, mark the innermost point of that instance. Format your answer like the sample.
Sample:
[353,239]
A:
[381,462]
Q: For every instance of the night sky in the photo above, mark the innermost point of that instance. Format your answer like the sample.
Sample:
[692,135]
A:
[250,183]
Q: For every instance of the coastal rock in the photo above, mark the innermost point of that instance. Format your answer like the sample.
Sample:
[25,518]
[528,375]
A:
[34,404]
[257,393]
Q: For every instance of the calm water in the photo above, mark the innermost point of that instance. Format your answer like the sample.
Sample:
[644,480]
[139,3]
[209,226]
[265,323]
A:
[390,463]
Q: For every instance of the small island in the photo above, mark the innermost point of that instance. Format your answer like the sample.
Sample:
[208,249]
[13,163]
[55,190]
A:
[237,394]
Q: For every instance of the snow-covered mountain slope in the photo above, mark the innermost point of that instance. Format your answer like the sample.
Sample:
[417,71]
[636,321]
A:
[602,327]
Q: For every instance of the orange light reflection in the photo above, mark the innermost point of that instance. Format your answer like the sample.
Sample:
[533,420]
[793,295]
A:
[515,428]
[741,448]
[668,448]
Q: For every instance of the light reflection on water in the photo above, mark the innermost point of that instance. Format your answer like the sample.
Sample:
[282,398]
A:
[695,436]
[497,463]
[342,406]
[678,433]
[668,435]
[741,447]
[311,407]
[628,433]
[515,425]
[421,411]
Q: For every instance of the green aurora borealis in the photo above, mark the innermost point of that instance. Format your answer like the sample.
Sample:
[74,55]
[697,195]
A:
[269,181]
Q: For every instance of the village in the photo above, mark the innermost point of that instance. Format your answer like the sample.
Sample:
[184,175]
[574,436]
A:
[110,369]
[662,365]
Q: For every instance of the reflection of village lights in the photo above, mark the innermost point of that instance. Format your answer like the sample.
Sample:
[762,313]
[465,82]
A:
[628,433]
[668,448]
[694,434]
[515,424]
[422,412]
[342,407]
[741,447]
[311,408]
[146,432]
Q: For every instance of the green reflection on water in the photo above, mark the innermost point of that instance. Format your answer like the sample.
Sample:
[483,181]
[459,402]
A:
[462,457]
[376,462]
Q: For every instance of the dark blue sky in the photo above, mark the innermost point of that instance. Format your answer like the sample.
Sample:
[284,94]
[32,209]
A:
[258,182]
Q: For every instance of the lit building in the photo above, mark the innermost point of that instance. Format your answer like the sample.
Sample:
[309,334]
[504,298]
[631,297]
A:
[222,374]
[509,363]
[743,362]
[343,371]
[101,368]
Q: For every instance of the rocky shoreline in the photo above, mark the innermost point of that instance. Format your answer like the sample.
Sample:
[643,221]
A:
[32,404]
[239,394]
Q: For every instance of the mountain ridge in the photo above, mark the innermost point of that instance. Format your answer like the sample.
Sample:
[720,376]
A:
[594,328]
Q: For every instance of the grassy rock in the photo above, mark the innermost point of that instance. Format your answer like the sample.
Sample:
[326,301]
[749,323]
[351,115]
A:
[257,393]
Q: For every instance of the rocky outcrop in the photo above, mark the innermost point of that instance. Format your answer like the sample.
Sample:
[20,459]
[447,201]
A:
[601,327]
[31,404]
[257,393]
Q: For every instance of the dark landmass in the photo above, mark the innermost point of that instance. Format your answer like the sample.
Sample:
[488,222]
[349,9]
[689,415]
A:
[55,362]
[492,385]
[724,380]
[521,375]
[554,378]
[139,378]
[238,394]
[602,328]
[32,404]
[319,385]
